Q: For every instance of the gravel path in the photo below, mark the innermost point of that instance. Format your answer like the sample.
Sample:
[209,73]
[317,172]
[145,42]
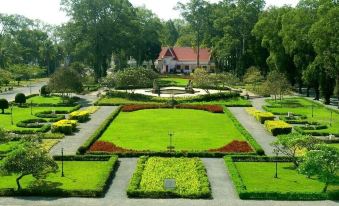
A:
[35,87]
[73,142]
[257,130]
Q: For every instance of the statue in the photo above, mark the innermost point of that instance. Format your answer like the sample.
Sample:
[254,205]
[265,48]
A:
[189,87]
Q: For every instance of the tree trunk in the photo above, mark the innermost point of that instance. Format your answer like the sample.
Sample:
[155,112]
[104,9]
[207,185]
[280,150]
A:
[18,181]
[198,53]
[325,188]
[3,111]
[317,93]
[308,91]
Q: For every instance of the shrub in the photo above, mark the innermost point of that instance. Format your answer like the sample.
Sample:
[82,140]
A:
[101,146]
[209,108]
[259,115]
[32,123]
[136,107]
[64,126]
[234,146]
[80,116]
[3,105]
[278,127]
[44,91]
[20,98]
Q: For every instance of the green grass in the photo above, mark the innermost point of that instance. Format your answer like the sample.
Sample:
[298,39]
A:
[45,100]
[194,130]
[20,114]
[189,174]
[304,107]
[172,81]
[7,147]
[230,102]
[79,175]
[259,177]
[336,145]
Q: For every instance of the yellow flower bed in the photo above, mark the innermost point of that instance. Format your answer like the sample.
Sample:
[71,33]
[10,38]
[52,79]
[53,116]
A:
[278,127]
[81,116]
[259,115]
[64,126]
[92,109]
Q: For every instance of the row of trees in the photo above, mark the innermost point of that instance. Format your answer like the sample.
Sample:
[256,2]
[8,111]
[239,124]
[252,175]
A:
[300,42]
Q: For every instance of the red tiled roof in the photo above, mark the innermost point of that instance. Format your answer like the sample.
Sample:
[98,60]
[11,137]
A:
[185,53]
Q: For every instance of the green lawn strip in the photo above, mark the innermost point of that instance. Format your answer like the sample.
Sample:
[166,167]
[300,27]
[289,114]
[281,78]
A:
[7,147]
[86,178]
[194,130]
[302,106]
[172,82]
[189,174]
[20,114]
[45,100]
[254,179]
[336,145]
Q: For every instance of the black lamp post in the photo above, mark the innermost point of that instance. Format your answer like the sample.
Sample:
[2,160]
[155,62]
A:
[276,164]
[170,147]
[11,114]
[31,107]
[331,118]
[312,109]
[62,162]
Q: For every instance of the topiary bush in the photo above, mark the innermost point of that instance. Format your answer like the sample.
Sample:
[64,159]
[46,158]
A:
[20,98]
[64,126]
[44,91]
[80,116]
[3,105]
[278,127]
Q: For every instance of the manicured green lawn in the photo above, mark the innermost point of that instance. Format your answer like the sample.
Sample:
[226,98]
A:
[193,130]
[304,107]
[228,103]
[259,177]
[172,81]
[334,145]
[79,175]
[45,100]
[7,147]
[20,114]
[189,175]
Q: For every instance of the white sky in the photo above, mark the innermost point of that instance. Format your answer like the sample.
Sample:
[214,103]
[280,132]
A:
[49,10]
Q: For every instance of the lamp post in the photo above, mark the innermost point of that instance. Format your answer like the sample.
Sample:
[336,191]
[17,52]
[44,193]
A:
[312,109]
[331,118]
[276,164]
[11,114]
[62,162]
[170,147]
[31,107]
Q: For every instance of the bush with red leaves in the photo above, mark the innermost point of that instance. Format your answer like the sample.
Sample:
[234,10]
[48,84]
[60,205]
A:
[136,107]
[209,108]
[234,146]
[100,146]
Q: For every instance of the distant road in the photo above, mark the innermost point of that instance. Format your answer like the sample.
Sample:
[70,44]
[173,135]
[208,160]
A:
[27,90]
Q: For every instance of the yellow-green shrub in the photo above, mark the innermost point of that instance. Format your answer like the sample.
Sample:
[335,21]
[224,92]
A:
[259,115]
[64,126]
[278,127]
[81,116]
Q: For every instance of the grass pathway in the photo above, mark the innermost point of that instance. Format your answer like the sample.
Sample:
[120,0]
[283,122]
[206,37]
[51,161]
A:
[73,142]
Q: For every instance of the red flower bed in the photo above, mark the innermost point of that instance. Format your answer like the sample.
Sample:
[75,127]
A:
[209,108]
[136,107]
[107,147]
[235,146]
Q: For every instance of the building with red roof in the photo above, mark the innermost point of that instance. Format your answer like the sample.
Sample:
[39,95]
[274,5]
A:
[183,60]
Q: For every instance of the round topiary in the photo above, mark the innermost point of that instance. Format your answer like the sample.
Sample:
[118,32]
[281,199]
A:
[20,98]
[44,91]
[3,105]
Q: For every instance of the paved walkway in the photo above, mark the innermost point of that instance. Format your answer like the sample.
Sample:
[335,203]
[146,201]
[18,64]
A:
[34,89]
[116,195]
[73,142]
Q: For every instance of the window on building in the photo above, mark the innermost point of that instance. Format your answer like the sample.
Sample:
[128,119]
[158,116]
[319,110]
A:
[187,67]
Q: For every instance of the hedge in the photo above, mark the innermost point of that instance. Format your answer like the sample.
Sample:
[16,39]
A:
[99,131]
[80,116]
[314,132]
[43,129]
[259,115]
[278,127]
[64,126]
[244,194]
[259,150]
[133,190]
[56,192]
[32,123]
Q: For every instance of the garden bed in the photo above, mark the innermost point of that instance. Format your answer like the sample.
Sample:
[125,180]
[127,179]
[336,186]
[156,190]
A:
[253,178]
[148,181]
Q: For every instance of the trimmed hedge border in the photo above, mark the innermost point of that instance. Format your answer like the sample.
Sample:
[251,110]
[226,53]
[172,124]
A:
[203,154]
[96,135]
[133,190]
[259,150]
[70,193]
[245,195]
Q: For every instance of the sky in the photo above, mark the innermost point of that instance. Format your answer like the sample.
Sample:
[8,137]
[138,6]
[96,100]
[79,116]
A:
[49,10]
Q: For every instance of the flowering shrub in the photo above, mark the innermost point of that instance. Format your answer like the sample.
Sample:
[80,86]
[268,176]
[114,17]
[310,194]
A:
[80,116]
[278,127]
[209,108]
[234,146]
[136,107]
[100,146]
[64,126]
[259,115]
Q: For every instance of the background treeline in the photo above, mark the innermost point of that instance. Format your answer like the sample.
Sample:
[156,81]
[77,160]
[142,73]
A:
[300,42]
